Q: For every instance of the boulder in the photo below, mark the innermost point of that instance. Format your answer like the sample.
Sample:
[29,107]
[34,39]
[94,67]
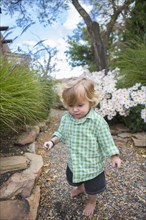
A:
[31,148]
[22,183]
[118,128]
[125,135]
[14,210]
[43,127]
[19,183]
[139,142]
[118,138]
[34,203]
[8,164]
[36,164]
[29,136]
[139,139]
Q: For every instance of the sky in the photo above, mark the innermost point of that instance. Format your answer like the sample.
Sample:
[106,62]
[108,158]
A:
[54,36]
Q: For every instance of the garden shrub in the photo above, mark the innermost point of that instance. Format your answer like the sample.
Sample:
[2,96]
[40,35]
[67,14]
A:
[134,121]
[25,97]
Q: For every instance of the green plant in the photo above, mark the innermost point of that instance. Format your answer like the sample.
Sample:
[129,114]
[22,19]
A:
[131,60]
[134,121]
[24,96]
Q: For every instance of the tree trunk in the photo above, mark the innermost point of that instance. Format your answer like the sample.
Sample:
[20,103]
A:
[100,45]
[94,32]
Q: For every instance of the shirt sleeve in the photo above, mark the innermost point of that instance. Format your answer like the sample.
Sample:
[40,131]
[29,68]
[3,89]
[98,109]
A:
[60,132]
[105,139]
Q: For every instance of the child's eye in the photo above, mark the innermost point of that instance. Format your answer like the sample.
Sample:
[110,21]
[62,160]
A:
[81,105]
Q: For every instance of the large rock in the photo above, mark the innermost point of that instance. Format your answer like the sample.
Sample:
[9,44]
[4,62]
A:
[29,136]
[13,163]
[22,183]
[118,138]
[19,183]
[139,139]
[34,203]
[36,164]
[125,135]
[25,209]
[118,128]
[14,210]
[43,127]
[31,148]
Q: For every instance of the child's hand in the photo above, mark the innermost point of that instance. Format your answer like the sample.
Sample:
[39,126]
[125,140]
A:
[116,161]
[48,145]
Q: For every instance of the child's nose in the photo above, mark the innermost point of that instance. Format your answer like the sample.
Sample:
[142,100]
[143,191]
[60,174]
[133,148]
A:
[75,108]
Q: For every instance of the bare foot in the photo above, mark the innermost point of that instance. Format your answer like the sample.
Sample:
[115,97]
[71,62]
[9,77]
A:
[77,190]
[89,209]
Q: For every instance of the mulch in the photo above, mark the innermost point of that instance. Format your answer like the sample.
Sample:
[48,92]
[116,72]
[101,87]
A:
[123,200]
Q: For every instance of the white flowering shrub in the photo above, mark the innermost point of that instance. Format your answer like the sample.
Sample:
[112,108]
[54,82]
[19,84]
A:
[113,101]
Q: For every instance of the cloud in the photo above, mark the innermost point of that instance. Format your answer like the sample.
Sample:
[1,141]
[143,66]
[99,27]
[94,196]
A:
[67,72]
[74,18]
[55,37]
[59,43]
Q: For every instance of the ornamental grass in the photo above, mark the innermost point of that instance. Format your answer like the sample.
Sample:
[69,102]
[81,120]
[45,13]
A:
[132,64]
[23,98]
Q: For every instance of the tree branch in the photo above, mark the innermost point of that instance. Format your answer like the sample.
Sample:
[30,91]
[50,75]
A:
[82,12]
[117,11]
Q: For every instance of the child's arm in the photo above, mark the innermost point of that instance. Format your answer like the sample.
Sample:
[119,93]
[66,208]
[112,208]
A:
[116,161]
[49,144]
[57,135]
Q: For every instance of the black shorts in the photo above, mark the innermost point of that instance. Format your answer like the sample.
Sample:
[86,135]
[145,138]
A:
[93,186]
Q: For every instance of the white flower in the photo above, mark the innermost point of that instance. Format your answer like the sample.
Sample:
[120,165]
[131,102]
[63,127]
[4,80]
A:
[143,88]
[139,96]
[109,117]
[113,100]
[136,86]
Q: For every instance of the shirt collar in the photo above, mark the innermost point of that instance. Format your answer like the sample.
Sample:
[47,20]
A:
[89,115]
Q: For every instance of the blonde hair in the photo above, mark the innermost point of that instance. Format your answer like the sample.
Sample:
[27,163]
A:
[79,89]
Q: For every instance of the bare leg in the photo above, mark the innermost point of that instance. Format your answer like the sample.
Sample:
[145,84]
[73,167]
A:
[90,206]
[77,190]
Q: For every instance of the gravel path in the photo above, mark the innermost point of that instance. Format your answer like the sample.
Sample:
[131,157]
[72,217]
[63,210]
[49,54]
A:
[123,200]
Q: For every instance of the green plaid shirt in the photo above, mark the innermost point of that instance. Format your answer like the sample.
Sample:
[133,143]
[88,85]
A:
[89,142]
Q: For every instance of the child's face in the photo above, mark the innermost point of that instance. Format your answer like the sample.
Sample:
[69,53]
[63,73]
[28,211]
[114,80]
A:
[80,109]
